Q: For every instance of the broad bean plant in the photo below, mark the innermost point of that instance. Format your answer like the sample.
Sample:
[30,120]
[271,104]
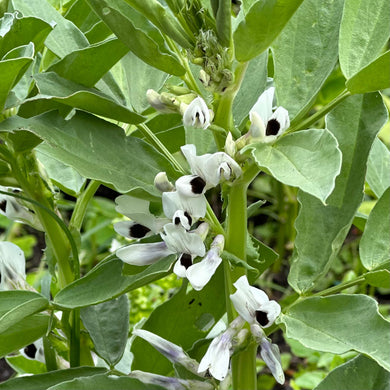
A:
[200,191]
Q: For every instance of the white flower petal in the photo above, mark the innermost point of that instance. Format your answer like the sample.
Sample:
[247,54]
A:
[217,357]
[263,106]
[12,266]
[178,240]
[143,254]
[197,114]
[194,206]
[131,229]
[190,186]
[200,273]
[272,309]
[257,128]
[179,269]
[182,218]
[281,115]
[271,356]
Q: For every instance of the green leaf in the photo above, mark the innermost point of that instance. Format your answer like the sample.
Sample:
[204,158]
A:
[134,30]
[65,177]
[112,283]
[360,373]
[135,77]
[16,305]
[97,149]
[263,23]
[53,87]
[103,381]
[22,31]
[308,159]
[380,278]
[252,86]
[305,53]
[373,77]
[22,365]
[223,16]
[11,70]
[374,246]
[65,37]
[363,33]
[203,140]
[321,229]
[88,65]
[44,381]
[183,320]
[378,168]
[23,333]
[338,324]
[108,326]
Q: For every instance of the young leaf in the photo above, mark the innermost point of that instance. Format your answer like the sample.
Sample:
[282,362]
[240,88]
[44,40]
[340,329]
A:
[112,283]
[108,326]
[360,373]
[373,77]
[44,381]
[23,333]
[102,151]
[378,168]
[223,16]
[374,246]
[338,324]
[16,305]
[363,33]
[380,278]
[305,53]
[321,229]
[308,159]
[263,23]
[134,30]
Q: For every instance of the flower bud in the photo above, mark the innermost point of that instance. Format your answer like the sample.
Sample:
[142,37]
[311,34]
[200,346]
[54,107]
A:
[230,145]
[162,183]
[159,103]
[197,114]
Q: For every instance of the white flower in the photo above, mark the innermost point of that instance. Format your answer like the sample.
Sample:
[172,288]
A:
[12,267]
[143,223]
[217,357]
[197,114]
[266,124]
[34,351]
[171,351]
[253,305]
[14,210]
[176,240]
[162,183]
[271,356]
[199,274]
[211,168]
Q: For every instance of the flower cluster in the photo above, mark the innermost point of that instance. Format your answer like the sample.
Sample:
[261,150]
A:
[184,204]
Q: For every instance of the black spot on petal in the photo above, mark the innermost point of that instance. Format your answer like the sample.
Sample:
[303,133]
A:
[186,260]
[197,185]
[30,351]
[3,205]
[273,127]
[138,231]
[188,216]
[262,317]
[177,220]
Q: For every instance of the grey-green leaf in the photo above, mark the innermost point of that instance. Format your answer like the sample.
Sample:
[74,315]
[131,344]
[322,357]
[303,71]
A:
[365,28]
[378,168]
[305,53]
[97,149]
[380,278]
[322,229]
[23,333]
[375,243]
[108,326]
[308,159]
[16,305]
[360,373]
[340,323]
[373,77]
[263,23]
[53,87]
[44,381]
[111,281]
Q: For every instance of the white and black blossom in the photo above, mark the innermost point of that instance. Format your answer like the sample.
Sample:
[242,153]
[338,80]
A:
[12,267]
[267,124]
[197,114]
